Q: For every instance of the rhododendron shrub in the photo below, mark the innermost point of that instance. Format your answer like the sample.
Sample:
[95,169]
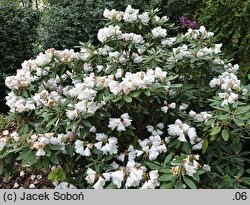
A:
[145,109]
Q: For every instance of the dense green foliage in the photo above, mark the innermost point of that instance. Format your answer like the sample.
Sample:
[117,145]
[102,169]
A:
[17,35]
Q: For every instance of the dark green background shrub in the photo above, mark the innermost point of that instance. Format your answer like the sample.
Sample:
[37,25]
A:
[18,34]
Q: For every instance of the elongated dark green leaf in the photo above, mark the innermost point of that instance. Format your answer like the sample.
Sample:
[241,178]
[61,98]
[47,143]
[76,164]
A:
[167,159]
[190,183]
[167,177]
[204,145]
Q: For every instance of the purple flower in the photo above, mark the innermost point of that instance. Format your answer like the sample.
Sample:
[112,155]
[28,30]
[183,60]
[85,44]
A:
[188,23]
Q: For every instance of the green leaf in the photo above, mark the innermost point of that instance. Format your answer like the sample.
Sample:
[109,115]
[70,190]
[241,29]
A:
[167,177]
[204,145]
[179,185]
[147,92]
[135,93]
[239,122]
[186,147]
[153,166]
[190,183]
[111,186]
[128,99]
[51,122]
[167,185]
[215,130]
[86,123]
[225,134]
[53,158]
[167,159]
[243,110]
[248,75]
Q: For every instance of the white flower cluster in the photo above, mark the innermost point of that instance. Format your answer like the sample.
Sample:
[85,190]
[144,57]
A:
[108,145]
[32,71]
[201,117]
[189,166]
[208,51]
[179,53]
[155,131]
[133,175]
[134,38]
[182,130]
[83,148]
[131,81]
[22,79]
[199,33]
[64,185]
[168,106]
[130,15]
[46,98]
[168,41]
[159,32]
[18,103]
[121,123]
[153,146]
[107,32]
[85,93]
[39,141]
[229,83]
[113,14]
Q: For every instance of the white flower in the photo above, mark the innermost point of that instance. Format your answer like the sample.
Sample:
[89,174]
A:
[65,185]
[181,130]
[91,176]
[3,141]
[92,129]
[106,145]
[43,59]
[107,32]
[168,41]
[22,173]
[183,106]
[40,152]
[152,183]
[113,14]
[32,186]
[134,178]
[153,146]
[168,106]
[119,73]
[144,18]
[120,123]
[16,185]
[5,132]
[130,14]
[217,48]
[159,32]
[99,184]
[117,178]
[72,114]
[134,38]
[79,148]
